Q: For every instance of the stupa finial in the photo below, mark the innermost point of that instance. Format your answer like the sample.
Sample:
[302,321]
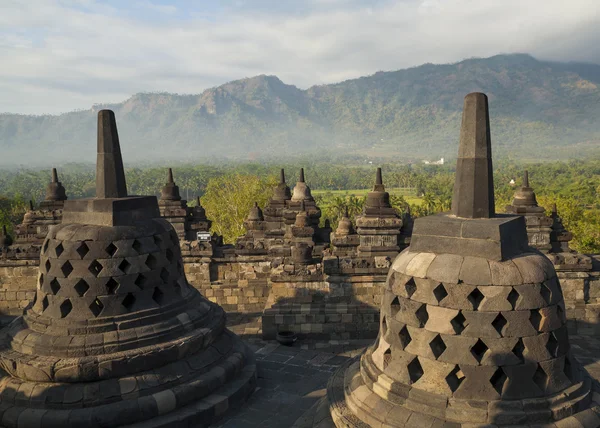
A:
[379,178]
[170,176]
[282,176]
[54,175]
[110,174]
[474,185]
[301,179]
[526,179]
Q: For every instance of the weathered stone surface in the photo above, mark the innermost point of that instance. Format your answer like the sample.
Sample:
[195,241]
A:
[468,322]
[115,319]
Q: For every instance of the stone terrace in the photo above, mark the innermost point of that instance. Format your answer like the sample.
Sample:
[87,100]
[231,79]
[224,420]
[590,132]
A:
[292,379]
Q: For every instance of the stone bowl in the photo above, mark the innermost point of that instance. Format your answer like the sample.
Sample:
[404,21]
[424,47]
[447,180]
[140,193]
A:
[286,338]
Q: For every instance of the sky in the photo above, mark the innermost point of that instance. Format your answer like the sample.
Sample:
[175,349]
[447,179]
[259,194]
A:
[62,55]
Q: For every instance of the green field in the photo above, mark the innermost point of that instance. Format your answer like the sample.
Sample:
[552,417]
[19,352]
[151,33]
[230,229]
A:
[409,195]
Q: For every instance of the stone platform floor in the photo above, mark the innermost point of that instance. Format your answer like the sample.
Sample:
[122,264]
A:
[293,379]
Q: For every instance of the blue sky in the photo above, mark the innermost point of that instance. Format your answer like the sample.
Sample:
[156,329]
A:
[61,55]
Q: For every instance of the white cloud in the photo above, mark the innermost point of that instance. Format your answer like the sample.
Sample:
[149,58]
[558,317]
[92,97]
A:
[61,55]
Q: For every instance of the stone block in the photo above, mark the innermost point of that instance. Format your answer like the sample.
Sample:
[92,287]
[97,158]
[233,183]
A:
[475,270]
[445,268]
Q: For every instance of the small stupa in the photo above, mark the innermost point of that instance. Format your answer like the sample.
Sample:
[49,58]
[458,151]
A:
[473,328]
[116,335]
[379,226]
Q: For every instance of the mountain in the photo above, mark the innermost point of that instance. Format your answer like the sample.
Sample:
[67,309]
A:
[539,110]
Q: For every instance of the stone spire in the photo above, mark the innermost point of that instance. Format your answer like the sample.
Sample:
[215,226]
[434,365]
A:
[378,200]
[55,190]
[472,326]
[170,192]
[474,184]
[524,198]
[113,298]
[301,190]
[256,213]
[282,190]
[110,174]
[345,225]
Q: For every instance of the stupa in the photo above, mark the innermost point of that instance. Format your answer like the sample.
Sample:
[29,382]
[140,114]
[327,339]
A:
[473,329]
[116,336]
[379,226]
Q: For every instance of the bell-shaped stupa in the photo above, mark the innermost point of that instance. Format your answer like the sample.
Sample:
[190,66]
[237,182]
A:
[472,329]
[116,336]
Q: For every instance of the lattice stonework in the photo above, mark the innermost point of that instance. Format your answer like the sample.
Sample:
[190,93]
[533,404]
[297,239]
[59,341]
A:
[515,335]
[83,279]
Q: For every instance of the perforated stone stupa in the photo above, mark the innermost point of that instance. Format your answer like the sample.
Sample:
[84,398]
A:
[472,329]
[116,336]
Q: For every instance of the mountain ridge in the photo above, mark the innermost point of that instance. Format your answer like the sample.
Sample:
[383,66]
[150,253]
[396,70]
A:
[412,113]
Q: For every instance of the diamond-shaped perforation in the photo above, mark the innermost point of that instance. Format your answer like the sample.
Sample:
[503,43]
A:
[65,308]
[404,337]
[151,261]
[125,266]
[395,306]
[546,293]
[45,247]
[158,296]
[383,326]
[475,297]
[437,346]
[561,314]
[81,287]
[535,318]
[513,297]
[82,249]
[141,280]
[48,265]
[440,293]
[54,286]
[164,275]
[479,350]
[169,255]
[387,357]
[111,249]
[137,246]
[540,378]
[158,240]
[459,323]
[45,303]
[96,307]
[128,301]
[95,268]
[498,380]
[455,378]
[410,287]
[422,315]
[518,350]
[552,345]
[66,268]
[59,249]
[499,323]
[40,281]
[415,371]
[112,286]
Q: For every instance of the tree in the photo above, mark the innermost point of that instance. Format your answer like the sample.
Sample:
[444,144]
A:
[228,200]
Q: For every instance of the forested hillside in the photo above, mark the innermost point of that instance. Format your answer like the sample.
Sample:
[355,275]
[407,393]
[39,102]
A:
[539,110]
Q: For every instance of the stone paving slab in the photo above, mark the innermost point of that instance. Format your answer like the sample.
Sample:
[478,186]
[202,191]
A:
[292,379]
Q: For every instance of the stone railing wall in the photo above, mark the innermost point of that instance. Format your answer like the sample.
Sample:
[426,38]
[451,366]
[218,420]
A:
[337,302]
